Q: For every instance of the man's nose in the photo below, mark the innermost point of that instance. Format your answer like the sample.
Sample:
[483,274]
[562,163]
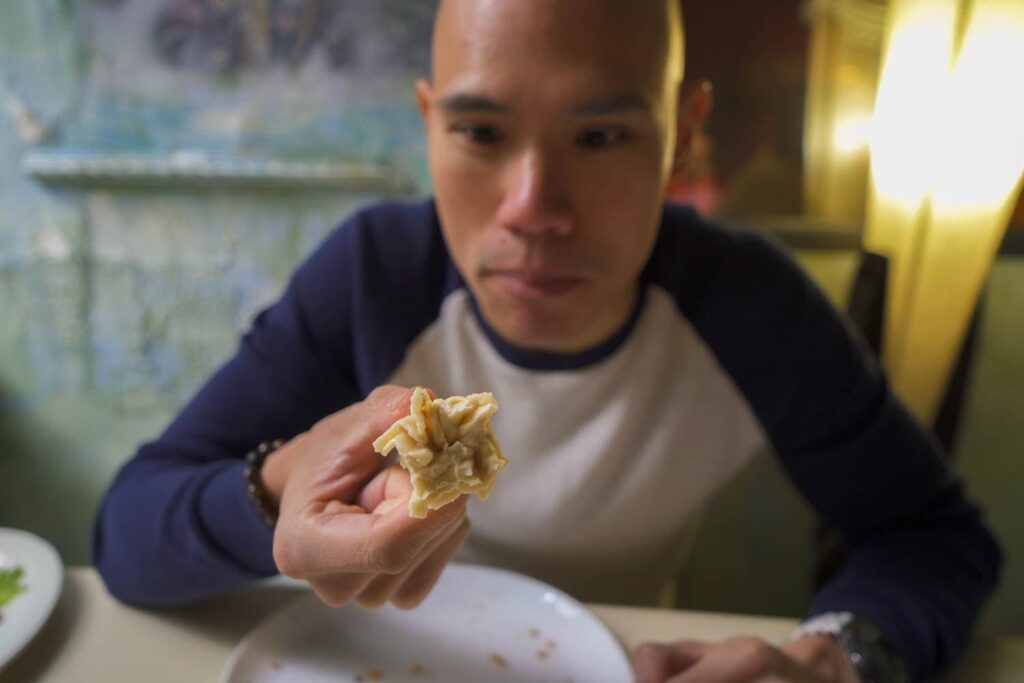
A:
[535,204]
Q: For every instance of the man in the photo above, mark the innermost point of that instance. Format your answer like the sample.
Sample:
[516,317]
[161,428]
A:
[640,356]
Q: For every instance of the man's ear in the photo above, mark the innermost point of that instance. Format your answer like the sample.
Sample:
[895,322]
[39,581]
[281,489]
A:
[424,98]
[695,103]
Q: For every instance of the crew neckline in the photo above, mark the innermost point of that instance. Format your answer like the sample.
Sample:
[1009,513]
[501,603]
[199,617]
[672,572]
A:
[535,359]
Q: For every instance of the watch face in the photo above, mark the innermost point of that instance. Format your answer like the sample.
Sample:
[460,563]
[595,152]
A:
[870,655]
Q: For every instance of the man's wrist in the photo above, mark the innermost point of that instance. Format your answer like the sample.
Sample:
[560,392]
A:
[822,654]
[275,472]
[863,644]
[268,468]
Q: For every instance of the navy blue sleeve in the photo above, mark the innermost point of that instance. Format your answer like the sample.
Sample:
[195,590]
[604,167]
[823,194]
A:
[923,563]
[176,524]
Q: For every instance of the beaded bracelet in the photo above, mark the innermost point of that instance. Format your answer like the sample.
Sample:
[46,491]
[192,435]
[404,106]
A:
[254,486]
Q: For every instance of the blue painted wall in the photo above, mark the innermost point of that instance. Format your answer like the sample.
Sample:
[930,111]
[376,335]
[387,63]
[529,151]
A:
[117,299]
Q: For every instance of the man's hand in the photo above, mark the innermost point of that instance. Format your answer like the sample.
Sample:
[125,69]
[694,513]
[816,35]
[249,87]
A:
[811,659]
[344,524]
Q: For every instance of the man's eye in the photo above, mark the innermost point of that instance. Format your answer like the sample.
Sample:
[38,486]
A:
[480,135]
[599,138]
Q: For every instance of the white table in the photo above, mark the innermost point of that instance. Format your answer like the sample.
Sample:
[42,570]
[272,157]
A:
[91,638]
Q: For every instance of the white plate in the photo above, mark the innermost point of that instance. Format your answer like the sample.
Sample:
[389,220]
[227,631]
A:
[43,576]
[479,625]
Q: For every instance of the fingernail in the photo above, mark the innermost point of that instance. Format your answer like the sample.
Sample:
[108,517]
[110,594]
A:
[398,399]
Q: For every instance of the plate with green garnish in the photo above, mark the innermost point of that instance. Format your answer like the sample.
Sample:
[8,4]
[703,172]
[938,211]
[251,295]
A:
[31,576]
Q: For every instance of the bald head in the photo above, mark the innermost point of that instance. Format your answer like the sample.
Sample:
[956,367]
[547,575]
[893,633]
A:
[600,33]
[553,127]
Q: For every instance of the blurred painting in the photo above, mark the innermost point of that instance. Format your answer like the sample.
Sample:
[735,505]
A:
[282,79]
[747,161]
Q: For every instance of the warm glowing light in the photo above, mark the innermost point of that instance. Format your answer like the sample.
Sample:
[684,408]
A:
[907,110]
[983,137]
[852,134]
[947,158]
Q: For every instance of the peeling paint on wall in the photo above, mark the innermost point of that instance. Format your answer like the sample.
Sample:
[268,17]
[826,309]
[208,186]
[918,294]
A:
[223,90]
[134,295]
[116,303]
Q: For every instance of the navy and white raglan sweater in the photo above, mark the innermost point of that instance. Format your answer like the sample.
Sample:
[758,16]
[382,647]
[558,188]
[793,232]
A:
[612,451]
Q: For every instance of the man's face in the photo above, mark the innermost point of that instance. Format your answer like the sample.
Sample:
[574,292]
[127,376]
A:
[551,130]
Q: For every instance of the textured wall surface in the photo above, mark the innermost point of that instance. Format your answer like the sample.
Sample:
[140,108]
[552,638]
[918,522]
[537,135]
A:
[118,299]
[116,302]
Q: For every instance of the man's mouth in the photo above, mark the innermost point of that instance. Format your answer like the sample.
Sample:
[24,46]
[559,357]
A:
[533,284]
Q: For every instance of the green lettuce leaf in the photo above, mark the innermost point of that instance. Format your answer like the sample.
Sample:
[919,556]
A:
[10,584]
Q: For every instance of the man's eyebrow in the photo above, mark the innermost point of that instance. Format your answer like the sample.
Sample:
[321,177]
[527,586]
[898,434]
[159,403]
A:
[463,103]
[615,104]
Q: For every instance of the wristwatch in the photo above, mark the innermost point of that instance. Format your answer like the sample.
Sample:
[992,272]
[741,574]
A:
[866,648]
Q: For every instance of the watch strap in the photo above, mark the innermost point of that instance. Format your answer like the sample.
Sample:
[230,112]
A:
[867,650]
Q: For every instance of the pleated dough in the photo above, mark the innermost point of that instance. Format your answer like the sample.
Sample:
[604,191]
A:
[447,447]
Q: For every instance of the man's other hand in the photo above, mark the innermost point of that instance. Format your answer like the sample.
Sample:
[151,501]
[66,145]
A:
[344,524]
[811,659]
